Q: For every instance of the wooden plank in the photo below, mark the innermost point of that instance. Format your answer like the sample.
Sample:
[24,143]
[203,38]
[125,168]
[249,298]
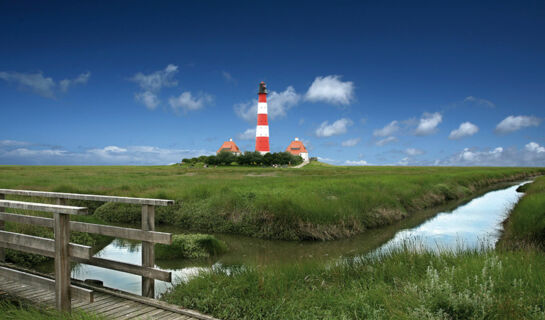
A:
[98,304]
[35,294]
[43,283]
[20,218]
[147,272]
[150,302]
[125,233]
[91,197]
[62,260]
[44,207]
[118,232]
[119,308]
[163,314]
[106,306]
[150,314]
[45,246]
[13,246]
[148,250]
[137,312]
[104,303]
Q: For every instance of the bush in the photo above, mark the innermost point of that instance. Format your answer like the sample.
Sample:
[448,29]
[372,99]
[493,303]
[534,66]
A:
[249,158]
[190,246]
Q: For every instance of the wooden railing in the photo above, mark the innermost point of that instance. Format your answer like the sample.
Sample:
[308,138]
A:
[64,252]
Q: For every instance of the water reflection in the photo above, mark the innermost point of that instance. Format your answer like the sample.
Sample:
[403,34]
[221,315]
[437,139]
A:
[469,225]
[476,224]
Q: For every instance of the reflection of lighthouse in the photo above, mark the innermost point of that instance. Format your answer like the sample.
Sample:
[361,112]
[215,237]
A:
[262,130]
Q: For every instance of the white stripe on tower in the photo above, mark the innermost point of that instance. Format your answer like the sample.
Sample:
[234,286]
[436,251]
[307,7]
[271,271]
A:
[262,129]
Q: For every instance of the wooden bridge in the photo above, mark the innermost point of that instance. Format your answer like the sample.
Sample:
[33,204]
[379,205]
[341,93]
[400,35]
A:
[66,293]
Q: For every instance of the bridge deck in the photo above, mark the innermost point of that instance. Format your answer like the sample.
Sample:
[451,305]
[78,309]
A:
[107,305]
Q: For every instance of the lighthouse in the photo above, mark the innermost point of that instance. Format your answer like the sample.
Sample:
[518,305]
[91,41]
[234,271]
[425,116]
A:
[262,129]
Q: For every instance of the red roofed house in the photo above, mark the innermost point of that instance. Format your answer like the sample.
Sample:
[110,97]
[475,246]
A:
[297,148]
[229,146]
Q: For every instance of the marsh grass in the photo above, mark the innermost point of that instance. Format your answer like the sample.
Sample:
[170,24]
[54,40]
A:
[316,202]
[401,284]
[190,246]
[526,222]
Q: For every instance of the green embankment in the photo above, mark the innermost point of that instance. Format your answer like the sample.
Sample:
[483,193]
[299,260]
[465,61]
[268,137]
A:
[400,285]
[315,202]
[526,223]
[502,283]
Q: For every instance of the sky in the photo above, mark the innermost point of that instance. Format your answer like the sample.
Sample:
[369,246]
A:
[360,83]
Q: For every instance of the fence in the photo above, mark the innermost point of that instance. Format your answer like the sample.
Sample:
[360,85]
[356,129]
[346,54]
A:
[63,251]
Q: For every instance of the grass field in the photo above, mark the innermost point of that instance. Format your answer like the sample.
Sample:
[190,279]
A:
[502,283]
[526,223]
[316,202]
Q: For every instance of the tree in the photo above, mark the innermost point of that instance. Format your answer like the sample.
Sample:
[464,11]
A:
[211,160]
[225,158]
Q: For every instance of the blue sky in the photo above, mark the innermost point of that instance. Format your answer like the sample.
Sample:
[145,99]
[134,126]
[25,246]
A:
[126,82]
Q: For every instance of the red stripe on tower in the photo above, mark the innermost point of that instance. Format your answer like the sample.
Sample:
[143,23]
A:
[262,129]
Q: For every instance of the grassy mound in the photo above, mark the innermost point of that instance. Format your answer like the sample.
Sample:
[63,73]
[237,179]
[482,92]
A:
[190,246]
[400,285]
[526,222]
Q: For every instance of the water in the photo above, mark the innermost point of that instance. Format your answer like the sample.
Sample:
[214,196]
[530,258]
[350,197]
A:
[471,224]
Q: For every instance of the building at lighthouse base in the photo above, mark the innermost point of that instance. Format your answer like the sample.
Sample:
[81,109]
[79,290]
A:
[297,148]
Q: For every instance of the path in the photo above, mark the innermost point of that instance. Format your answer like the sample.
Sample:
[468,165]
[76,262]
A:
[305,162]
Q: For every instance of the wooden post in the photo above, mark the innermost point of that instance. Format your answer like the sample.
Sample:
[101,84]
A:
[148,250]
[62,260]
[2,254]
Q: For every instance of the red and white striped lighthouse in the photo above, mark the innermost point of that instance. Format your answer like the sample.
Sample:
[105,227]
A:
[262,129]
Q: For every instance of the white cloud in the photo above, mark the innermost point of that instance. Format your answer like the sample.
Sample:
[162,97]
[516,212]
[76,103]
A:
[41,85]
[404,162]
[148,98]
[350,142]
[480,101]
[329,160]
[531,155]
[388,130]
[114,149]
[156,80]
[385,141]
[151,84]
[36,82]
[81,79]
[534,147]
[413,151]
[514,123]
[428,124]
[12,143]
[109,155]
[336,128]
[332,90]
[186,102]
[356,163]
[249,134]
[278,104]
[466,129]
